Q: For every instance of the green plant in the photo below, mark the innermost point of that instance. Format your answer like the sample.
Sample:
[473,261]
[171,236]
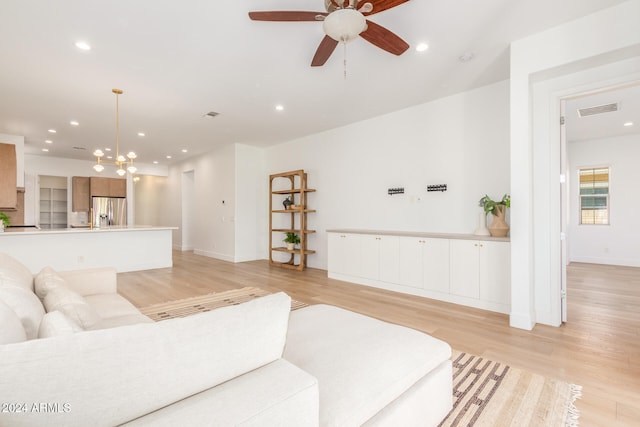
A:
[489,205]
[5,219]
[292,238]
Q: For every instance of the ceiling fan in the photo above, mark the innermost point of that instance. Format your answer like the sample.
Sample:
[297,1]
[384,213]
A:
[344,20]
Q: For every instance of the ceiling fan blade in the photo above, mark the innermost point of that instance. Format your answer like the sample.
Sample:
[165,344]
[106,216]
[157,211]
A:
[382,5]
[285,15]
[324,51]
[384,39]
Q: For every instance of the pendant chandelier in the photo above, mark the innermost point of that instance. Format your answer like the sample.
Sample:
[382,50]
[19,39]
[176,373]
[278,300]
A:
[120,161]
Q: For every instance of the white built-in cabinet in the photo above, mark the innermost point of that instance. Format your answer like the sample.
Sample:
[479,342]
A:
[378,257]
[454,268]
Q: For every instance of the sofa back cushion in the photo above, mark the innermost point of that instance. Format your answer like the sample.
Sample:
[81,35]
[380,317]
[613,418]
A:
[108,377]
[11,329]
[14,273]
[26,305]
[46,281]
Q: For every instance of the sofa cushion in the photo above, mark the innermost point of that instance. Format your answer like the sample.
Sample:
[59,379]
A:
[362,364]
[73,305]
[110,305]
[46,280]
[11,329]
[26,305]
[14,273]
[278,394]
[116,321]
[56,323]
[108,377]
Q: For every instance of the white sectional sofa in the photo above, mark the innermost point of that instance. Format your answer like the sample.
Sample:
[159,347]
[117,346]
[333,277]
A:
[84,355]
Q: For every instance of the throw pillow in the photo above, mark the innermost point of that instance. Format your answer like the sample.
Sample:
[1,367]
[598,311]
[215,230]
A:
[47,280]
[73,305]
[55,323]
[14,273]
[11,329]
[26,305]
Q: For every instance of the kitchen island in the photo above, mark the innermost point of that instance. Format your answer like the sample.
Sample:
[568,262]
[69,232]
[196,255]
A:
[129,248]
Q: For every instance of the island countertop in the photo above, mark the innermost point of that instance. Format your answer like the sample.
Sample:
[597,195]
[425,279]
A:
[77,229]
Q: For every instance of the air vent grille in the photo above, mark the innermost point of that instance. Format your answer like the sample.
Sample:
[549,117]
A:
[211,114]
[591,111]
[79,148]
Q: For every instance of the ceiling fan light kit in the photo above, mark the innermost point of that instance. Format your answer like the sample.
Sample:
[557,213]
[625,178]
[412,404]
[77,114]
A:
[344,25]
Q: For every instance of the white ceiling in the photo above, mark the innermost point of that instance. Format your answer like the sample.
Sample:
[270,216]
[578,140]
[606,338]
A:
[178,60]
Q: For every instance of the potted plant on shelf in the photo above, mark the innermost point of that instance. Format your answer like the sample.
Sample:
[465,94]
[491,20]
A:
[5,221]
[291,240]
[499,226]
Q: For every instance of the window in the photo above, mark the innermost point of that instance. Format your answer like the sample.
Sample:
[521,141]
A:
[594,196]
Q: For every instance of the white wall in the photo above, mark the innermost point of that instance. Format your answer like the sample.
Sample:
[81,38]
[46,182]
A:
[461,141]
[215,202]
[615,243]
[149,200]
[603,37]
[250,193]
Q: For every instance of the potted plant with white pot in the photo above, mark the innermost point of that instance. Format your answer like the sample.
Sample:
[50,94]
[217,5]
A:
[498,226]
[291,239]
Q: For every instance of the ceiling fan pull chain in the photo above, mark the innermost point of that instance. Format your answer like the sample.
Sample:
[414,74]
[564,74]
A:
[345,59]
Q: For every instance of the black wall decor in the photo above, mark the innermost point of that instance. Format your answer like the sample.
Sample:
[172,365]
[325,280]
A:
[439,187]
[399,190]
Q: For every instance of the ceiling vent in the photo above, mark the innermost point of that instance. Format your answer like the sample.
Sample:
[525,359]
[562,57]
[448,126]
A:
[211,114]
[591,111]
[79,148]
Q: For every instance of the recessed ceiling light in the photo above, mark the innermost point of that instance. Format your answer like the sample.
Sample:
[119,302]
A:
[279,107]
[168,157]
[107,149]
[140,133]
[83,45]
[155,162]
[48,141]
[422,47]
[73,123]
[628,124]
[52,131]
[184,150]
[46,150]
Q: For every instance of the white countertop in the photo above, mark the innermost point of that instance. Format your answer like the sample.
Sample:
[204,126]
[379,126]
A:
[420,234]
[36,231]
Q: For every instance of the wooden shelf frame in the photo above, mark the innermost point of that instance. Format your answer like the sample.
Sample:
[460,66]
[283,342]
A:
[297,218]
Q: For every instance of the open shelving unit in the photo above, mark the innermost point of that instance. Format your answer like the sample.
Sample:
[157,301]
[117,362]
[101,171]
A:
[289,219]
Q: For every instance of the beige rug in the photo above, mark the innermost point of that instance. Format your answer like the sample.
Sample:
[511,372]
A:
[488,393]
[208,302]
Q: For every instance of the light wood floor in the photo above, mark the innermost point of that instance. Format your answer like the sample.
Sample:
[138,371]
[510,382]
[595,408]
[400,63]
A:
[598,348]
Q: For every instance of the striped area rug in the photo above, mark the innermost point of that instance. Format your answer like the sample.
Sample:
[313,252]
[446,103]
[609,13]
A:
[208,302]
[488,393]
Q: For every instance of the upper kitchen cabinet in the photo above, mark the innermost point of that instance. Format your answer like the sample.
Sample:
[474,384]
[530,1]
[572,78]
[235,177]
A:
[8,177]
[108,187]
[81,196]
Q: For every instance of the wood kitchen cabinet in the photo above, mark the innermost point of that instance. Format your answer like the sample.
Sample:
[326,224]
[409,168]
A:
[108,187]
[8,177]
[80,194]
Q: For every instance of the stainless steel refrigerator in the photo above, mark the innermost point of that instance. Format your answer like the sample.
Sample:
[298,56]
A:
[109,212]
